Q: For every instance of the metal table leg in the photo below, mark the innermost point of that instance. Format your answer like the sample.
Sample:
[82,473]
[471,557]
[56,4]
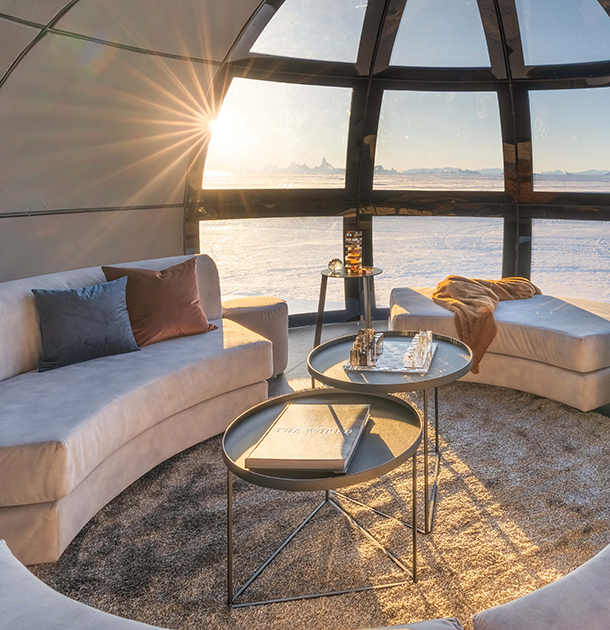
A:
[320,318]
[229,537]
[328,499]
[414,524]
[431,492]
[366,289]
[426,474]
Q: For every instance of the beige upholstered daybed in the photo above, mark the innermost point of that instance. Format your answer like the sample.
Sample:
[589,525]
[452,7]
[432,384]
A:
[558,348]
[73,438]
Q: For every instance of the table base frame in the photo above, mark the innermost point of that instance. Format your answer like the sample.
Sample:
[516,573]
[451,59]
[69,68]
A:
[430,495]
[328,499]
[430,492]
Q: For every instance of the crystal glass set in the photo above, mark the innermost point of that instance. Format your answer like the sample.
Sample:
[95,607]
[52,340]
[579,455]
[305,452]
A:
[419,352]
[366,349]
[353,252]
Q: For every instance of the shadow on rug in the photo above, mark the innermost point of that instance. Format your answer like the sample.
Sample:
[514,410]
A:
[524,499]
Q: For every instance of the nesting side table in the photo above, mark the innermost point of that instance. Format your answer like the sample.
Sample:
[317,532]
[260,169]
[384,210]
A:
[366,291]
[392,436]
[453,359]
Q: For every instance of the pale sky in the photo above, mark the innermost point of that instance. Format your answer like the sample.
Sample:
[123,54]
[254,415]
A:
[439,129]
[264,122]
[571,129]
[441,33]
[314,29]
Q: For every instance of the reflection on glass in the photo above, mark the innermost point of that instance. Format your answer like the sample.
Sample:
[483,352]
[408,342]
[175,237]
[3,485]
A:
[572,258]
[556,31]
[439,141]
[441,33]
[421,251]
[282,257]
[571,139]
[314,29]
[279,135]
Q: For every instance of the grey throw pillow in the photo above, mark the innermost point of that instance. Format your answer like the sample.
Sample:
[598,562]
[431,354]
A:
[82,324]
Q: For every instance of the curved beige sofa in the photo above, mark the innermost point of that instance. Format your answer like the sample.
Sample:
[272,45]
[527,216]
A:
[580,600]
[558,348]
[73,438]
[26,603]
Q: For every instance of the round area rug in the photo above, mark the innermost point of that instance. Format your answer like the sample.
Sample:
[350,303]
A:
[524,499]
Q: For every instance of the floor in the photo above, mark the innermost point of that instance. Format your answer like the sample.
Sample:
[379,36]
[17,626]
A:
[524,498]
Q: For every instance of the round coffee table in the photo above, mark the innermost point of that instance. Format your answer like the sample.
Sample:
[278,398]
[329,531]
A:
[392,436]
[453,359]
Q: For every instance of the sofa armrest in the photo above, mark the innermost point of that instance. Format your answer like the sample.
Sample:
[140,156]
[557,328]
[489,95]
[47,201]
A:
[267,316]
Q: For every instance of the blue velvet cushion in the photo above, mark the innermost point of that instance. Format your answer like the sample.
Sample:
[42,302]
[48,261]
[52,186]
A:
[82,324]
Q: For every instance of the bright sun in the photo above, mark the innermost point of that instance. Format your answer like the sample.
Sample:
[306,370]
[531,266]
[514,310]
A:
[218,127]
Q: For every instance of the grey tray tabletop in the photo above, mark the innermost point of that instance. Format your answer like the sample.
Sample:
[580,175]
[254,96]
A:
[343,274]
[392,436]
[453,359]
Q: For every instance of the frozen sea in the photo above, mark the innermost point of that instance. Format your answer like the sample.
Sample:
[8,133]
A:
[284,257]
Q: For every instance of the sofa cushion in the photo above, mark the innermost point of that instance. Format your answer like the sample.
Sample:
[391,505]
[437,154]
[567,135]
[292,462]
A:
[20,340]
[581,599]
[568,333]
[71,419]
[163,304]
[29,604]
[83,324]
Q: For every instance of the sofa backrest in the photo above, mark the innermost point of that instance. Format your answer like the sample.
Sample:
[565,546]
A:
[20,338]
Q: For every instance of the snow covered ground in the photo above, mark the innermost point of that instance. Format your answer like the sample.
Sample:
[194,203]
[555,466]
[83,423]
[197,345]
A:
[284,257]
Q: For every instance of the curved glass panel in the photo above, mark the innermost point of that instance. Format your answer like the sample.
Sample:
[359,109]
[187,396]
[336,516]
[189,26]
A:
[422,251]
[572,258]
[279,135]
[439,141]
[571,139]
[314,29]
[555,32]
[279,256]
[441,33]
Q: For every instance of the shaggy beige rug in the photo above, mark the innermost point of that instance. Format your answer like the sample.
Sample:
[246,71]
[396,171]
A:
[524,499]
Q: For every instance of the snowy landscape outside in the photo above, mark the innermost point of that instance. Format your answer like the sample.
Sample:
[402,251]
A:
[284,256]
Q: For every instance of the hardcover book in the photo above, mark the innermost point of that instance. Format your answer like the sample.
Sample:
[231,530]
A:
[314,437]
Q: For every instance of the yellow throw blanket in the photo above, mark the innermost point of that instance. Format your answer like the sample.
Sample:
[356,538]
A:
[473,303]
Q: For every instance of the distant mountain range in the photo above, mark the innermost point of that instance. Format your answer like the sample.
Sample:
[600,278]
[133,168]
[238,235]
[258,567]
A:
[326,168]
[300,169]
[589,173]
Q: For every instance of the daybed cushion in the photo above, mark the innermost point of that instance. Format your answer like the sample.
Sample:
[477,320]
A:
[581,599]
[26,603]
[73,418]
[568,333]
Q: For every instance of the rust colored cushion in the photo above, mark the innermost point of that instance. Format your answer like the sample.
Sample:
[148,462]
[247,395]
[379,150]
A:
[163,304]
